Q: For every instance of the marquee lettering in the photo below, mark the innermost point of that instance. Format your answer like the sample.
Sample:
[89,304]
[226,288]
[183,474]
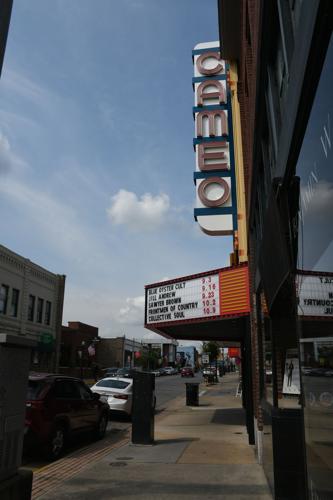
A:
[213,142]
[212,71]
[208,182]
[220,92]
[212,121]
[205,156]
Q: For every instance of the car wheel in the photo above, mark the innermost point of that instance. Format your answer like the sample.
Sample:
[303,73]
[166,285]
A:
[56,443]
[101,426]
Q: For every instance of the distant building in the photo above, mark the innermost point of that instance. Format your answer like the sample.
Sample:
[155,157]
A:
[117,352]
[166,348]
[31,304]
[78,344]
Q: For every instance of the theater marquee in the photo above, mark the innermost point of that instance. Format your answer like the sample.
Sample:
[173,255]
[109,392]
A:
[216,204]
[315,294]
[219,293]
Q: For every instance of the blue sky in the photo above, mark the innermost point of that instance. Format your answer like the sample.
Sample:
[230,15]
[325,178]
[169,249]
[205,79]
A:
[96,157]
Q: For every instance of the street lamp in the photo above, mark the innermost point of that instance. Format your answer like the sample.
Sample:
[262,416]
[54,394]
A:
[80,354]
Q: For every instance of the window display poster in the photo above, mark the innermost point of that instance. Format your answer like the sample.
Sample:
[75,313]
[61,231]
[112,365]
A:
[291,381]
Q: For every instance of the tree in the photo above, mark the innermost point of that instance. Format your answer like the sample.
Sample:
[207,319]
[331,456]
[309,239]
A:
[212,348]
[148,359]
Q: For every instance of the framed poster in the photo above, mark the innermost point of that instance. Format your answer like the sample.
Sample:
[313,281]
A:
[291,381]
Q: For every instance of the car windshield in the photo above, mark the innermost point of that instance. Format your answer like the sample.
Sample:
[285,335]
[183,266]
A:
[35,388]
[113,384]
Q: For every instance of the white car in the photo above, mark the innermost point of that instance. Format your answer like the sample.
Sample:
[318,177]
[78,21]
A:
[170,370]
[117,392]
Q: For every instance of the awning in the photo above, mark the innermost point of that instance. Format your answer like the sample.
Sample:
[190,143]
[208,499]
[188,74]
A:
[231,329]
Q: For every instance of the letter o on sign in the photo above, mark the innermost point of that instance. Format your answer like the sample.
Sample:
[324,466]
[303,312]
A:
[202,192]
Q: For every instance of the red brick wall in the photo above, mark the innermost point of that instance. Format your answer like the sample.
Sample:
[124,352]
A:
[248,64]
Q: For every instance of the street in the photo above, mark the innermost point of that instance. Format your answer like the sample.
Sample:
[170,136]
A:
[172,386]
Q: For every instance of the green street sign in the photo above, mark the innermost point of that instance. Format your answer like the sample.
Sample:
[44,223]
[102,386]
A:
[46,338]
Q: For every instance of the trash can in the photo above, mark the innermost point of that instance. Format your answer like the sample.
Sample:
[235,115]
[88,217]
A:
[192,394]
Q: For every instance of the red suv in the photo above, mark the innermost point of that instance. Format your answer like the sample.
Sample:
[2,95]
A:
[187,371]
[58,407]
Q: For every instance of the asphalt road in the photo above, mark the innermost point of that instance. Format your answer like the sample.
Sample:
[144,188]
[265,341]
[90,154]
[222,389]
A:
[167,387]
[170,387]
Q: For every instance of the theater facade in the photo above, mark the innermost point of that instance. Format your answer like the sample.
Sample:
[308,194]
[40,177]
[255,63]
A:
[284,54]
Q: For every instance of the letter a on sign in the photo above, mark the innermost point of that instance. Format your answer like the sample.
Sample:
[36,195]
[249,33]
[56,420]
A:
[203,93]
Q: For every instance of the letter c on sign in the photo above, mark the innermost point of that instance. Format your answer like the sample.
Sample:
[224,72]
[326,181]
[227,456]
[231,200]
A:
[221,200]
[209,55]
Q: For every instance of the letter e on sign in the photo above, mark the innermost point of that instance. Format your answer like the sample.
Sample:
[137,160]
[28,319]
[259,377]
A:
[210,156]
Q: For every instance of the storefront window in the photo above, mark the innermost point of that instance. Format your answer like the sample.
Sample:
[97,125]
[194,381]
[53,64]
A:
[315,285]
[288,375]
[265,349]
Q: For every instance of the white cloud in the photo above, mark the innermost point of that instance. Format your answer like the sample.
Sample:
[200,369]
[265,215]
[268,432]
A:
[8,160]
[146,213]
[133,312]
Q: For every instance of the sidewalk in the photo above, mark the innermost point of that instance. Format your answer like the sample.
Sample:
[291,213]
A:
[199,452]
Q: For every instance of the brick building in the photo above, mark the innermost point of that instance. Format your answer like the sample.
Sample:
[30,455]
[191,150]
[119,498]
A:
[78,345]
[117,352]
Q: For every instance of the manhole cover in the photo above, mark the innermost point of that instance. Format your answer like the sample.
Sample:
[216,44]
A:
[124,458]
[118,464]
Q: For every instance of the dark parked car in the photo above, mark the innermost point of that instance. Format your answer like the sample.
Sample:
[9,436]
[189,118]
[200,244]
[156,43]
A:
[187,371]
[58,407]
[125,372]
[109,372]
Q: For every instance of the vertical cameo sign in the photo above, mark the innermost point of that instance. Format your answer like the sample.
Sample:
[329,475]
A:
[214,177]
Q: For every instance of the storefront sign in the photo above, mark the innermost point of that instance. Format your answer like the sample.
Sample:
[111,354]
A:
[233,352]
[205,359]
[46,342]
[216,208]
[220,293]
[315,295]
